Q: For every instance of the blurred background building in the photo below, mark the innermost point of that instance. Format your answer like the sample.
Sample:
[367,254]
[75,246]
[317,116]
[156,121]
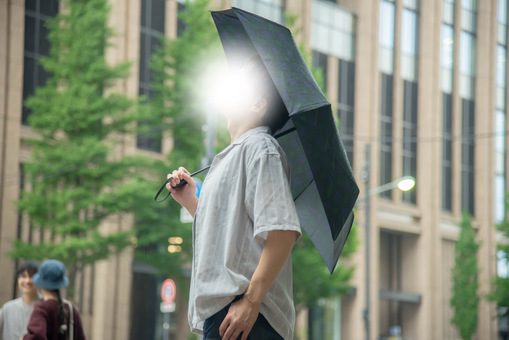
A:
[422,82]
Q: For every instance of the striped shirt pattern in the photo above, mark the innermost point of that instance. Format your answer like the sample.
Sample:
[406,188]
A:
[245,195]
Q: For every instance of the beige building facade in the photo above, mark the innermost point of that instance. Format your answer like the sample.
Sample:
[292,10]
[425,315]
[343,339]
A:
[422,82]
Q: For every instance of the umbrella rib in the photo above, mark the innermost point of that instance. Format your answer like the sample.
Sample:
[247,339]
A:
[302,191]
[284,133]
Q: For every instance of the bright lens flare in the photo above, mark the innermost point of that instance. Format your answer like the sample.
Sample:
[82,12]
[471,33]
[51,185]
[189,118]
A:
[225,91]
[232,93]
[406,183]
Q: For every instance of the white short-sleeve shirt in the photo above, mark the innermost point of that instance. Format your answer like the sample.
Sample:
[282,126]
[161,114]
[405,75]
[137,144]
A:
[245,195]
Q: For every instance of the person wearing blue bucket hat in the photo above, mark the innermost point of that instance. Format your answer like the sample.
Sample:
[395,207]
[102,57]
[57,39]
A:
[53,318]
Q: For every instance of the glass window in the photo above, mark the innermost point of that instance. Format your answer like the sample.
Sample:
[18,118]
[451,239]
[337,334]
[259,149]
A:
[386,37]
[333,30]
[324,319]
[447,151]
[409,150]
[502,11]
[469,4]
[502,22]
[446,57]
[412,4]
[409,44]
[386,125]
[469,15]
[501,66]
[500,160]
[36,45]
[448,11]
[447,47]
[467,155]
[181,25]
[467,54]
[502,264]
[386,29]
[270,9]
[467,65]
[346,85]
[320,61]
[409,32]
[151,32]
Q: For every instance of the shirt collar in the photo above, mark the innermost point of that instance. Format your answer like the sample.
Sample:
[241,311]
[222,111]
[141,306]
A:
[249,133]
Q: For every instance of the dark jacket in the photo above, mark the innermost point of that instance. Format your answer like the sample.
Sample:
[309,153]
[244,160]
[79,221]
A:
[44,324]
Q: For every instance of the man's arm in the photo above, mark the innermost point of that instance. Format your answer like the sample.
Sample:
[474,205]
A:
[243,313]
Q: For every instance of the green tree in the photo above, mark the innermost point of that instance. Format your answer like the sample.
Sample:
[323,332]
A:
[175,107]
[77,182]
[500,291]
[465,299]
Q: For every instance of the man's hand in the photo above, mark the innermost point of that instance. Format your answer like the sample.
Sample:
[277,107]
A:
[243,313]
[240,319]
[184,195]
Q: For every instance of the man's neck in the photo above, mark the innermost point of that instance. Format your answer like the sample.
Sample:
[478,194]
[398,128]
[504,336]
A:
[30,298]
[237,129]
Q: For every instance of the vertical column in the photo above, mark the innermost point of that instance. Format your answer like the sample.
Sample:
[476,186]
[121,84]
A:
[428,168]
[484,158]
[11,75]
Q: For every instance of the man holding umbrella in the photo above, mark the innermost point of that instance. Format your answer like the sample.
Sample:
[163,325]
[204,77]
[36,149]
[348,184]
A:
[245,223]
[250,211]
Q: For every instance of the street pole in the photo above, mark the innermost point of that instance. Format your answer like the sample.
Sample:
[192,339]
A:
[366,177]
[166,326]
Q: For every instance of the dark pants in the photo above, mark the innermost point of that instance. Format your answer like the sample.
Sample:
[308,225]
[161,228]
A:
[261,330]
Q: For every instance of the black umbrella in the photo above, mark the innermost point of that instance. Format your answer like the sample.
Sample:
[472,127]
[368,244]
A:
[323,185]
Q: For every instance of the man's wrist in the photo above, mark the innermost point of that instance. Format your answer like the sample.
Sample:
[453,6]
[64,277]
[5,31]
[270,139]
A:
[254,294]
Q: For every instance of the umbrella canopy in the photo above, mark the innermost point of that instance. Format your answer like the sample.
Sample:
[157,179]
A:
[322,181]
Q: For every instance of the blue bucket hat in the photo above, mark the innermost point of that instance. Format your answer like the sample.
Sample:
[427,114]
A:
[51,275]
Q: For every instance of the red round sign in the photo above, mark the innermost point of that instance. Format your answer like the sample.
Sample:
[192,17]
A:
[168,291]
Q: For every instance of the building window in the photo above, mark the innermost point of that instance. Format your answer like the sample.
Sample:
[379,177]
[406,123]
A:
[500,115]
[409,152]
[181,25]
[467,71]
[502,22]
[270,9]
[151,31]
[36,46]
[448,12]
[446,84]
[320,62]
[346,86]
[409,44]
[446,58]
[332,30]
[467,65]
[324,319]
[447,151]
[386,37]
[409,52]
[469,15]
[467,155]
[386,132]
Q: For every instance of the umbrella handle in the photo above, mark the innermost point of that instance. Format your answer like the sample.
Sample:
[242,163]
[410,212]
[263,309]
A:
[181,184]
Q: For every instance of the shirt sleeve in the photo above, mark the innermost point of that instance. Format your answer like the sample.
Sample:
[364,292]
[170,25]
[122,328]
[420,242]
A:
[269,201]
[37,326]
